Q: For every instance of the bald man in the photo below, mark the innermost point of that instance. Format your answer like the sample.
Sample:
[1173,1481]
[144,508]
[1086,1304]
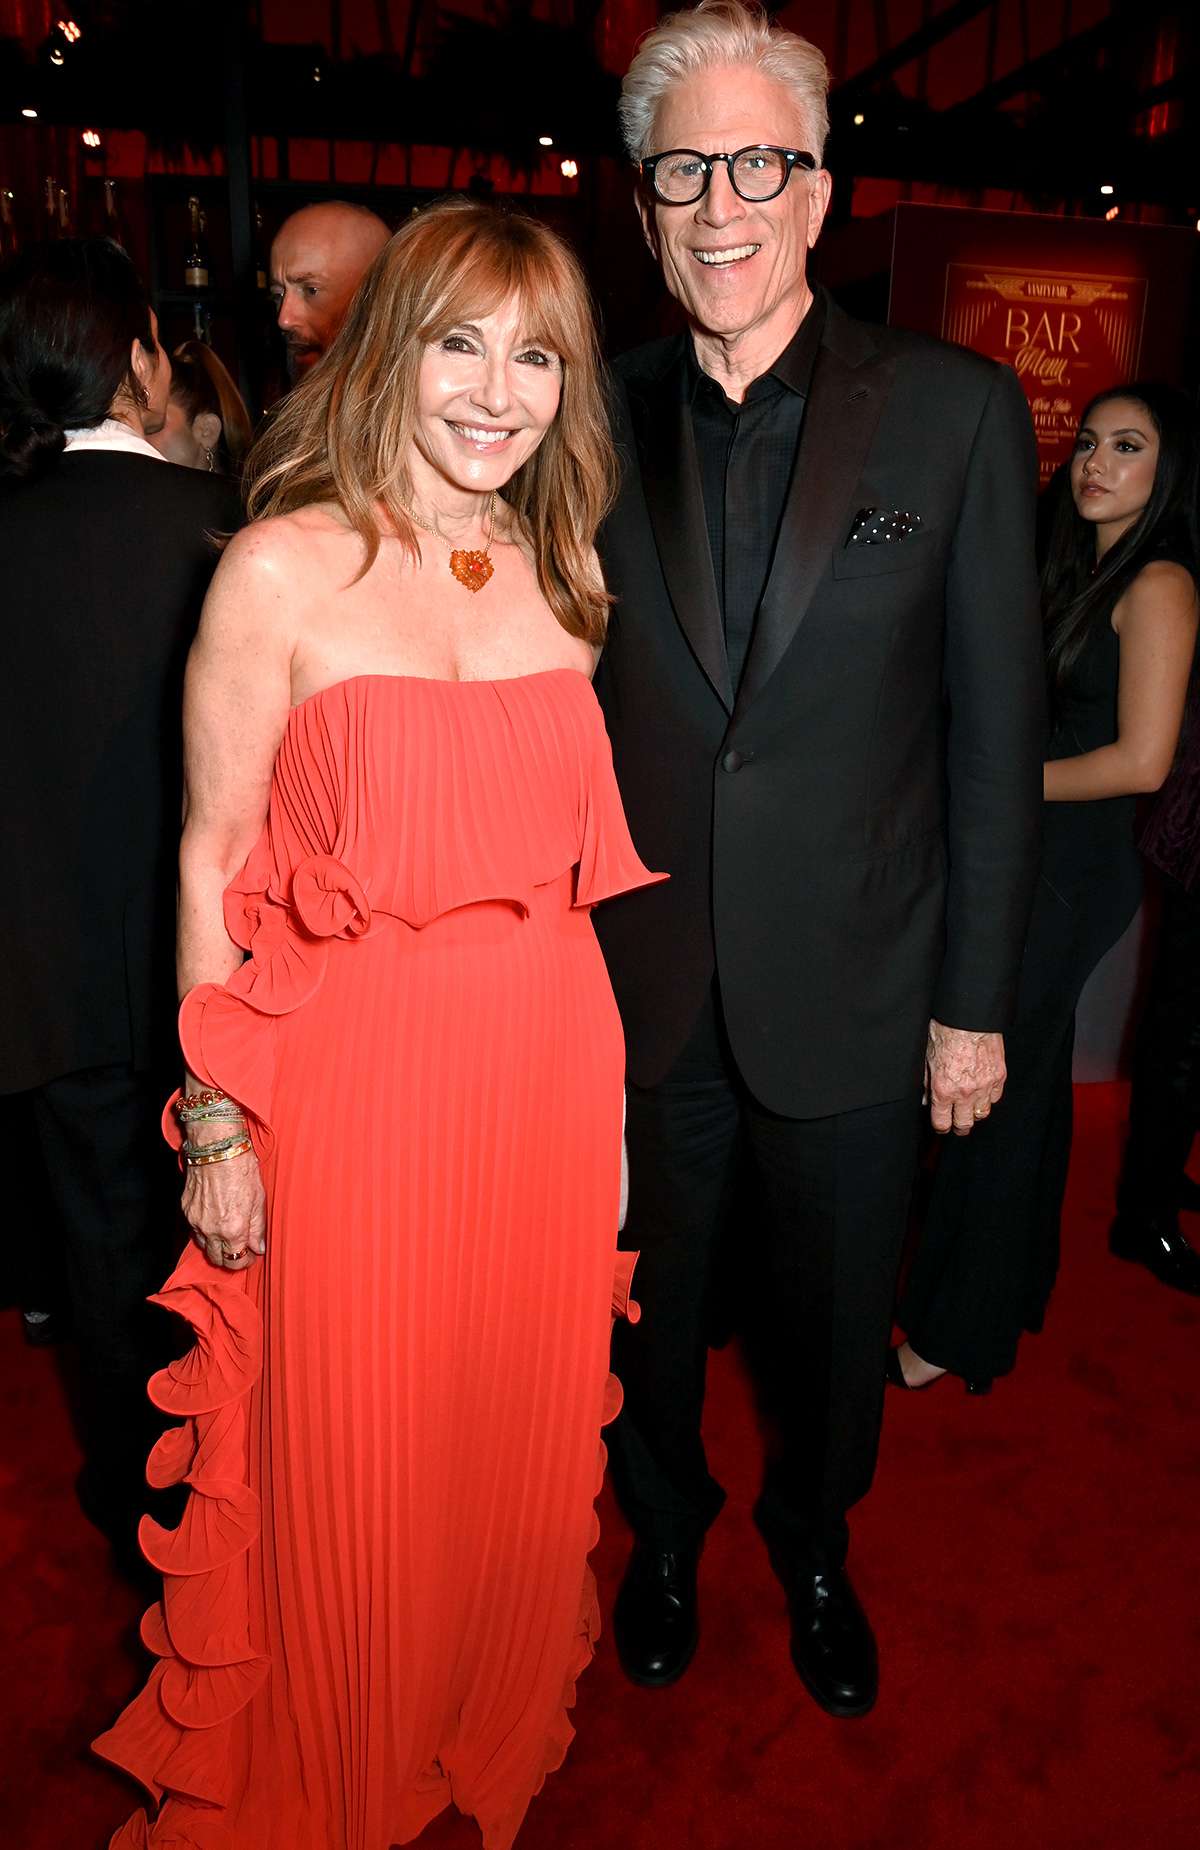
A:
[319,257]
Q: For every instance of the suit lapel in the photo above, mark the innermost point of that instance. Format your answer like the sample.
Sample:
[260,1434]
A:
[671,481]
[849,389]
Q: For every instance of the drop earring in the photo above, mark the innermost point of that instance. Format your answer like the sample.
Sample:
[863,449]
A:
[209,461]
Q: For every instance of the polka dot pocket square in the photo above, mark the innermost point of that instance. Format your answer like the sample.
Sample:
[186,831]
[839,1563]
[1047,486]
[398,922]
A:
[877,526]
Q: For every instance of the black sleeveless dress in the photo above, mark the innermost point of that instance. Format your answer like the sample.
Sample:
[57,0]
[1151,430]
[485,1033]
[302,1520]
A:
[988,1256]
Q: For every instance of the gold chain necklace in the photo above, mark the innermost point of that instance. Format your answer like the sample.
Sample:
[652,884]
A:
[472,569]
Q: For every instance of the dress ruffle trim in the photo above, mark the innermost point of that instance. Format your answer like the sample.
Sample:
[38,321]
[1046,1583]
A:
[226,1029]
[608,862]
[176,1737]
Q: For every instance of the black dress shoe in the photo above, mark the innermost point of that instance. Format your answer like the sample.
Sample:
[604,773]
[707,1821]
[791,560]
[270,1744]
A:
[43,1328]
[654,1620]
[833,1646]
[1161,1248]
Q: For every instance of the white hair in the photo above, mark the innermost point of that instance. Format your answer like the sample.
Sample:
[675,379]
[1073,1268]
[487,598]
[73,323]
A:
[712,36]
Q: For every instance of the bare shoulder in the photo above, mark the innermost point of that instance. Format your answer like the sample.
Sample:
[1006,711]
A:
[1162,590]
[271,576]
[275,549]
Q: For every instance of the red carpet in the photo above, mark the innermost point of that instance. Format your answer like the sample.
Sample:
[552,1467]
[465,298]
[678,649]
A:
[1029,1561]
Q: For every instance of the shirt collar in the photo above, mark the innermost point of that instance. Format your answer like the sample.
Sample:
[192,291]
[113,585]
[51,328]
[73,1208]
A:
[111,434]
[794,366]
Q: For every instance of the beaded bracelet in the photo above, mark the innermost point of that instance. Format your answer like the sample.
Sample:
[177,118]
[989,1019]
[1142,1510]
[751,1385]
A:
[217,1147]
[215,1153]
[209,1095]
[228,1113]
[221,1143]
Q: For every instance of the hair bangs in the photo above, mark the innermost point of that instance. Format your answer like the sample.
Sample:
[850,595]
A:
[485,273]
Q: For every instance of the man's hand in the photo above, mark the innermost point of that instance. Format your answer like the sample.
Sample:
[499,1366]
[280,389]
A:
[964,1077]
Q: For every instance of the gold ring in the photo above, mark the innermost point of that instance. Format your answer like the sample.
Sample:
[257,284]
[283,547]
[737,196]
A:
[233,1255]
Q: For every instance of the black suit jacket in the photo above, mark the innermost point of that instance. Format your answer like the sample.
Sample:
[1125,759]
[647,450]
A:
[104,562]
[853,843]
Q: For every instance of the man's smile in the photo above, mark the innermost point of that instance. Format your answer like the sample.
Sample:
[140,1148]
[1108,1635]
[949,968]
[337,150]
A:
[734,253]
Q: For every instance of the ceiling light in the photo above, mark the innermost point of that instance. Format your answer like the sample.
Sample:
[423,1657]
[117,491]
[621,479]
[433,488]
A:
[1106,189]
[545,141]
[56,56]
[90,138]
[31,113]
[1113,212]
[569,169]
[859,119]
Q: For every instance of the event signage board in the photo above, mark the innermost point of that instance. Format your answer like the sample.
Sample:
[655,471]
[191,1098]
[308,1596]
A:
[1072,305]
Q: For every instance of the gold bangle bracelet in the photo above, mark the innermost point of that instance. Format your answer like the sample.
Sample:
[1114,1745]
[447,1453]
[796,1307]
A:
[222,1156]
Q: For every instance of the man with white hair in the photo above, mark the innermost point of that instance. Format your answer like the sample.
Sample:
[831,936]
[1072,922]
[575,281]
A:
[823,685]
[319,256]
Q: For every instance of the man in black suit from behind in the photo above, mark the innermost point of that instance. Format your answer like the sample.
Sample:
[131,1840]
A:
[105,555]
[823,685]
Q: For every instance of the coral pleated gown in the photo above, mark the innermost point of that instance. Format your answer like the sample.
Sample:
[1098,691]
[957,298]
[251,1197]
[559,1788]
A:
[378,1600]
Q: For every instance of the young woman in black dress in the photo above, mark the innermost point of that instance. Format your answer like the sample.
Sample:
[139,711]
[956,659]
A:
[1121,616]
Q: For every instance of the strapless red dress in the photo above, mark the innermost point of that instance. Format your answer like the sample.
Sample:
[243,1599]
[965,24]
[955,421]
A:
[378,1600]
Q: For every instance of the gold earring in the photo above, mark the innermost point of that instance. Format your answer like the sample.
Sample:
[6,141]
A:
[210,464]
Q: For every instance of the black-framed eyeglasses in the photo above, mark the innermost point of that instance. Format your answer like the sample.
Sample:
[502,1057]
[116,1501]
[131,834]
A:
[680,176]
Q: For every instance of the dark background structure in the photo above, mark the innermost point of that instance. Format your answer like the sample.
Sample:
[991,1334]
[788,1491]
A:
[1074,107]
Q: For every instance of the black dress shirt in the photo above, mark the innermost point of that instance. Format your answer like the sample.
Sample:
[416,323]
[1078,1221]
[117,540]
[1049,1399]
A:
[746,454]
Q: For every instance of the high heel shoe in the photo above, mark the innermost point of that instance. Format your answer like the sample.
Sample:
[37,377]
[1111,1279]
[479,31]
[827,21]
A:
[895,1376]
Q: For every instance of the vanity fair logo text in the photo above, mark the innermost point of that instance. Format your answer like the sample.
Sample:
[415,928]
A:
[1065,334]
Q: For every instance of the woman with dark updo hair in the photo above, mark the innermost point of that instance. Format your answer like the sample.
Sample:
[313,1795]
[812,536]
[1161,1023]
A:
[104,561]
[1120,605]
[80,363]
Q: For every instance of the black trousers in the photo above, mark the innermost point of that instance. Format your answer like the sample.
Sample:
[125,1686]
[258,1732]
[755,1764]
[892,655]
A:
[802,1220]
[988,1257]
[114,1205]
[1164,1100]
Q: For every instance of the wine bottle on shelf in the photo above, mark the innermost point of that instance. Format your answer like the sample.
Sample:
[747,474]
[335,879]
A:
[64,213]
[201,323]
[50,205]
[195,264]
[8,228]
[113,227]
[260,261]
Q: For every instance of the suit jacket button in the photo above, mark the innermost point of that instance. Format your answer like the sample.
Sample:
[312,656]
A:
[732,761]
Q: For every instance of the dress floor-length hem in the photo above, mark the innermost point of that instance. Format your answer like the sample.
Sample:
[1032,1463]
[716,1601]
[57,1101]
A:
[378,1600]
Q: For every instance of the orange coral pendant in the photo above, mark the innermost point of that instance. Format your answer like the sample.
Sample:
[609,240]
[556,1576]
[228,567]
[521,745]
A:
[472,569]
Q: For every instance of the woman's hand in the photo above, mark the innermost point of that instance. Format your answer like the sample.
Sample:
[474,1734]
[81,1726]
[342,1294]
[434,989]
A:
[225,1207]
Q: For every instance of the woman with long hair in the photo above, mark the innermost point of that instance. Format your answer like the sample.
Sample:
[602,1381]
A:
[401,1116]
[1120,602]
[207,425]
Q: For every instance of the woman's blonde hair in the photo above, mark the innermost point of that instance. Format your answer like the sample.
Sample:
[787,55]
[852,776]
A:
[712,36]
[343,434]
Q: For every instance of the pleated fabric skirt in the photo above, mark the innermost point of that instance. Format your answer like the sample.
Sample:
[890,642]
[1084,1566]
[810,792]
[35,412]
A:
[380,1600]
